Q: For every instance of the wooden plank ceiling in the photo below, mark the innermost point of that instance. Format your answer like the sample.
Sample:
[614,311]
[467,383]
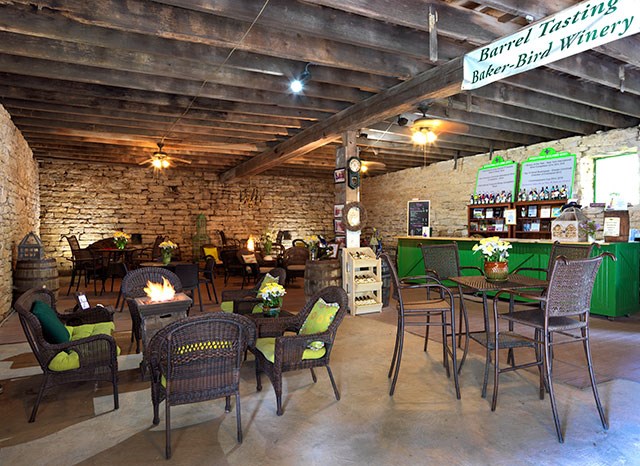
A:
[105,81]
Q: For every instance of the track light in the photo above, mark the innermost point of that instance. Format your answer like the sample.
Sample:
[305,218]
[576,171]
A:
[297,85]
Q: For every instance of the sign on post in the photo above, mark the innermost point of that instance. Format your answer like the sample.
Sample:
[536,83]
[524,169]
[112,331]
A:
[576,29]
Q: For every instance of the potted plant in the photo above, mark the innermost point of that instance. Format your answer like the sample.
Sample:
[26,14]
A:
[495,252]
[271,295]
[120,238]
[167,248]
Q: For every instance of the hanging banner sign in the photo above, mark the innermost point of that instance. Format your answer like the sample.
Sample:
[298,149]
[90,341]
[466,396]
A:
[581,27]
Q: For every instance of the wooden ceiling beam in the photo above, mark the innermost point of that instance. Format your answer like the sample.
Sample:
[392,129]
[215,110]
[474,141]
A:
[122,79]
[194,26]
[440,82]
[134,96]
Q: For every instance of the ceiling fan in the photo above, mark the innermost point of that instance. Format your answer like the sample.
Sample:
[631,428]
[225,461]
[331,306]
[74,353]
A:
[160,159]
[425,130]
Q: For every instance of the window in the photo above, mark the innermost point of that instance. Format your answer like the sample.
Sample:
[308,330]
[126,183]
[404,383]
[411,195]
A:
[619,175]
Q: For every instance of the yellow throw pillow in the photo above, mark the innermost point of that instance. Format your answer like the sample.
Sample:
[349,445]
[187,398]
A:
[213,252]
[320,317]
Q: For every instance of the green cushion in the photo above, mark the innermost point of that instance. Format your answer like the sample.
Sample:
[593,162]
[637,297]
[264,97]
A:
[267,346]
[52,327]
[227,306]
[64,361]
[88,330]
[320,317]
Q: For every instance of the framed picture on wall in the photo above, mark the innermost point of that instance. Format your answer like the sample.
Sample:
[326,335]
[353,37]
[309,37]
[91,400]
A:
[339,175]
[341,241]
[337,210]
[338,226]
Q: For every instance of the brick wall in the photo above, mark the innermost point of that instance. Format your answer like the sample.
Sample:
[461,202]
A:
[385,197]
[93,200]
[19,202]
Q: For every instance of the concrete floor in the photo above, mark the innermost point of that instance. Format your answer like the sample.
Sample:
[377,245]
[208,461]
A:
[422,423]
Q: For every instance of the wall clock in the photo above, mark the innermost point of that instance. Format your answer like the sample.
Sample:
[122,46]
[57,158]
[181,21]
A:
[354,164]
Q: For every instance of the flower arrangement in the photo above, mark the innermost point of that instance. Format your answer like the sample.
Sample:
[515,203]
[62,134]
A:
[120,238]
[272,294]
[590,228]
[167,248]
[493,249]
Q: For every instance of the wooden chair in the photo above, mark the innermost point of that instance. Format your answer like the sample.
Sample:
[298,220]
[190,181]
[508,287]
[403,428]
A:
[133,285]
[198,359]
[565,311]
[277,355]
[97,354]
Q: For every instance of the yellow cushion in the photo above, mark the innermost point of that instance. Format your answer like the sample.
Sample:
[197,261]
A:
[320,317]
[64,361]
[213,252]
[267,346]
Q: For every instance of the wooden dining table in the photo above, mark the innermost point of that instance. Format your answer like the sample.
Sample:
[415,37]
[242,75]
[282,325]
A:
[480,284]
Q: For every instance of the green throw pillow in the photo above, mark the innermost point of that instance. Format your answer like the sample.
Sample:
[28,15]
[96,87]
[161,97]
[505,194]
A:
[52,327]
[320,317]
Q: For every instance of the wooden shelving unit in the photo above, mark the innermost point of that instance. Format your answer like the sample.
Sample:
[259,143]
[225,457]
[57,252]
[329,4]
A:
[488,220]
[362,280]
[533,218]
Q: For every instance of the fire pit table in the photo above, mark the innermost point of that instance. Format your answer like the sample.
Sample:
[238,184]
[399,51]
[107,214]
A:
[156,314]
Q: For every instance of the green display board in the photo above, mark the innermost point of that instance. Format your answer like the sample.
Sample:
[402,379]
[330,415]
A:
[495,182]
[548,176]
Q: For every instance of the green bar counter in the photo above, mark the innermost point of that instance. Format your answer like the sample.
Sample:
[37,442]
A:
[616,291]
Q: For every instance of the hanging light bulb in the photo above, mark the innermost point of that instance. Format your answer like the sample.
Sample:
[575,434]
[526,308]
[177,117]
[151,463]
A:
[165,163]
[424,136]
[431,136]
[157,163]
[297,85]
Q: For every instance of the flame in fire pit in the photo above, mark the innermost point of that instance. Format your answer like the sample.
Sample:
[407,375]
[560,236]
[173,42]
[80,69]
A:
[160,291]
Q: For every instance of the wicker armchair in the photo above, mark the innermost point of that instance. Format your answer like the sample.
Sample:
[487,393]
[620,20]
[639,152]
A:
[245,300]
[198,359]
[133,285]
[97,354]
[289,349]
[565,311]
[294,261]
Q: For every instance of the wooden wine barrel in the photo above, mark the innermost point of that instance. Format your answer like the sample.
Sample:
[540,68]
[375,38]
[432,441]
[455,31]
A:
[320,274]
[35,273]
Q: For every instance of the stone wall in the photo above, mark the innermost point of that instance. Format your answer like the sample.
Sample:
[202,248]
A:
[19,202]
[93,200]
[385,197]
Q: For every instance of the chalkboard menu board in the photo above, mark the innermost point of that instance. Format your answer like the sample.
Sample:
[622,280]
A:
[418,218]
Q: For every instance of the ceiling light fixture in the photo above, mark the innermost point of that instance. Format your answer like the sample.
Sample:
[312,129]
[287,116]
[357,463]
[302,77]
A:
[297,85]
[424,136]
[160,159]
